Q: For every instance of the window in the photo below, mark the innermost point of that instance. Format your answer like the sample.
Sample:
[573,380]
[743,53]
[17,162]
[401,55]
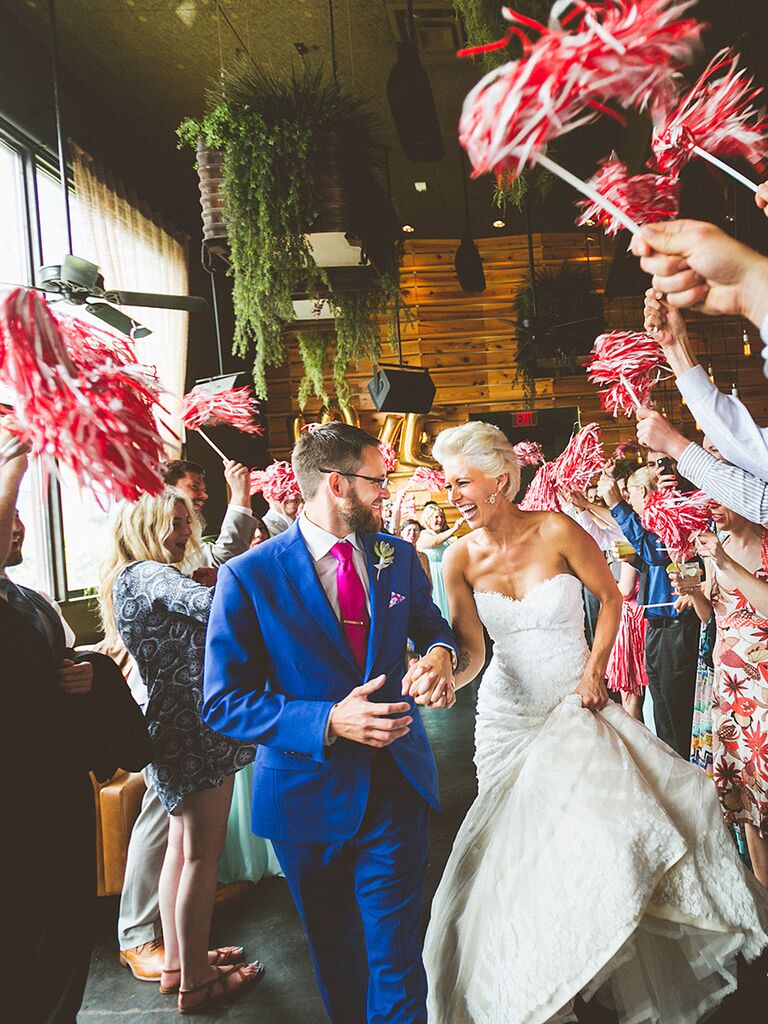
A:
[66,529]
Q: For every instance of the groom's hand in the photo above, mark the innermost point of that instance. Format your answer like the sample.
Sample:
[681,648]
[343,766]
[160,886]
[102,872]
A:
[362,721]
[430,680]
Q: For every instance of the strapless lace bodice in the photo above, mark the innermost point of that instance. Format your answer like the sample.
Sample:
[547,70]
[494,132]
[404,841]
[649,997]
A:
[539,649]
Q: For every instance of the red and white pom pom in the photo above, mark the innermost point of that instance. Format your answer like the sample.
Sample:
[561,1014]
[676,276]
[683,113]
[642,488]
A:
[677,519]
[408,508]
[625,671]
[644,198]
[390,456]
[627,51]
[626,365]
[235,406]
[277,482]
[542,493]
[625,450]
[426,479]
[529,453]
[717,115]
[581,460]
[81,398]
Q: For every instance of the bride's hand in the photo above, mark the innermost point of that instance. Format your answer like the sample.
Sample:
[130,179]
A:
[593,693]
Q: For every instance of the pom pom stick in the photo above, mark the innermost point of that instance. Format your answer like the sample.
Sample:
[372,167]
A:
[627,365]
[644,198]
[529,453]
[235,406]
[677,519]
[389,454]
[208,441]
[625,671]
[81,398]
[542,494]
[715,118]
[426,479]
[277,482]
[624,50]
[581,460]
[625,449]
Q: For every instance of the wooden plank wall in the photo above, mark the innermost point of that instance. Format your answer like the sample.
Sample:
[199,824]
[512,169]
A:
[468,342]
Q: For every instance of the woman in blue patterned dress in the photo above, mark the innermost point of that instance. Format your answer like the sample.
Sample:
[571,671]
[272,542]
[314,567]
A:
[161,617]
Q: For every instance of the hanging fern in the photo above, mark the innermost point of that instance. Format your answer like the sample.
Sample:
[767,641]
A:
[313,349]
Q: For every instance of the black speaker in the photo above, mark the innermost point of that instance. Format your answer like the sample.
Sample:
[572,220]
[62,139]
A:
[413,107]
[469,267]
[401,389]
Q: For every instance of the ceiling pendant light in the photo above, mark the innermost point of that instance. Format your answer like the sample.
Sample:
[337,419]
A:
[412,104]
[467,262]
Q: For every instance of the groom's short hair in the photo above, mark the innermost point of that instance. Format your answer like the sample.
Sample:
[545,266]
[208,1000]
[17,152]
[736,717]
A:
[336,446]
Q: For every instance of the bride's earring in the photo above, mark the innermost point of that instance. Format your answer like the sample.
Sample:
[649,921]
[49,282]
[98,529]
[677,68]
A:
[491,499]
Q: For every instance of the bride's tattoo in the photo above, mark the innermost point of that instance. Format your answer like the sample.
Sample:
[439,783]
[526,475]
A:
[464,661]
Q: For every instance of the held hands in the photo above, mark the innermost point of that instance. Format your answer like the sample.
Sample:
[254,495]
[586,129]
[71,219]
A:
[205,575]
[75,677]
[430,680]
[593,693]
[362,721]
[239,479]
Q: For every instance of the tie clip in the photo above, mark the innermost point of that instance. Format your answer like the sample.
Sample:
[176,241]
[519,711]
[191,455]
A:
[351,622]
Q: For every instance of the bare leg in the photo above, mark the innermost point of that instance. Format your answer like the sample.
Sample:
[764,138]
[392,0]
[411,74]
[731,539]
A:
[758,853]
[204,816]
[633,704]
[168,888]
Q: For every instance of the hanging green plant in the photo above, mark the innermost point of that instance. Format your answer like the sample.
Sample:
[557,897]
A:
[313,349]
[271,131]
[558,319]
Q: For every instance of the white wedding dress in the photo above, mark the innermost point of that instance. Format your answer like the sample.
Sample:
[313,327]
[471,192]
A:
[594,859]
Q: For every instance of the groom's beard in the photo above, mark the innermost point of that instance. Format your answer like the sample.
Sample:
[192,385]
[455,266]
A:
[359,518]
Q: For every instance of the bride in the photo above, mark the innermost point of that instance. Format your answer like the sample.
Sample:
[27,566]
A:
[594,859]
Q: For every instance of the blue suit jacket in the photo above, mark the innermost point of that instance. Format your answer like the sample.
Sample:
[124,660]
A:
[277,661]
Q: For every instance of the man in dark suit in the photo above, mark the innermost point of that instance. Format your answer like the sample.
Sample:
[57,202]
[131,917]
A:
[305,656]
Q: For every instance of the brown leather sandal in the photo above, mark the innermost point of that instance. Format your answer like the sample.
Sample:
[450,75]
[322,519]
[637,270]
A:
[216,990]
[222,956]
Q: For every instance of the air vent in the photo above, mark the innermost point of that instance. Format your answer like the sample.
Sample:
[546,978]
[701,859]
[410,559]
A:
[438,29]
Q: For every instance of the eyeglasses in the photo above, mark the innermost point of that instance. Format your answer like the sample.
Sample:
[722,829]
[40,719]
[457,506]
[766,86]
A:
[382,482]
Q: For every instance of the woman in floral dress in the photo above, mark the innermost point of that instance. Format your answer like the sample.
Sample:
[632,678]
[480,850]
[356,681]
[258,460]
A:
[739,597]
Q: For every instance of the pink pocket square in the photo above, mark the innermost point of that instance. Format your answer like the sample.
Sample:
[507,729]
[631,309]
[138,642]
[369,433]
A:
[395,599]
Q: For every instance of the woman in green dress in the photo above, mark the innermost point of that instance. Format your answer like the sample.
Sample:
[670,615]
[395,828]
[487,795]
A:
[433,541]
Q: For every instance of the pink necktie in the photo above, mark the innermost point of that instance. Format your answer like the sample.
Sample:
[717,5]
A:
[355,620]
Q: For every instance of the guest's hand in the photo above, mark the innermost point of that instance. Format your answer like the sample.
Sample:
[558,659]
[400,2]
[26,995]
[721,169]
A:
[684,603]
[761,197]
[239,479]
[684,584]
[75,677]
[593,693]
[430,680]
[708,546]
[577,500]
[609,490]
[358,719]
[662,320]
[205,575]
[696,265]
[655,432]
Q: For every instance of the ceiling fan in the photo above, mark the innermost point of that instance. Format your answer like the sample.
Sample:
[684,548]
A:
[80,282]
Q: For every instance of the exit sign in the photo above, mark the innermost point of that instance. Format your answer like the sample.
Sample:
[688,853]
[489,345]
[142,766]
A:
[525,419]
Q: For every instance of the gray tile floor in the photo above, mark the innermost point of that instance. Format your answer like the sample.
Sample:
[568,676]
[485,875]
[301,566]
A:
[265,922]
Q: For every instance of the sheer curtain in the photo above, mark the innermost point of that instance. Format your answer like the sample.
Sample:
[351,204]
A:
[136,254]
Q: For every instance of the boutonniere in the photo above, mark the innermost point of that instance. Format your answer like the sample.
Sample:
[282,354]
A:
[385,554]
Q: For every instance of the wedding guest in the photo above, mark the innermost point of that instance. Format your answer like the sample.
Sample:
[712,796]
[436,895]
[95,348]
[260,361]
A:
[281,492]
[238,524]
[671,636]
[260,534]
[434,539]
[737,591]
[139,929]
[161,617]
[64,714]
[411,531]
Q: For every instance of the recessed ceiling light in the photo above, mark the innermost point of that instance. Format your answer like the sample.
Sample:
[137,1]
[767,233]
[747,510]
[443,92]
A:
[499,224]
[408,229]
[420,186]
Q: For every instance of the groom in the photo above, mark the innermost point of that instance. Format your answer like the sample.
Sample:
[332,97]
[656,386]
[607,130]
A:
[305,655]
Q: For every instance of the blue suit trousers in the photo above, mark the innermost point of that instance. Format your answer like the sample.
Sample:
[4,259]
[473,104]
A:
[361,900]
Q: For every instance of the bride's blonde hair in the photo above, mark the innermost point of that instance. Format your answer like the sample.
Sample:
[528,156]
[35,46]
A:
[138,534]
[485,447]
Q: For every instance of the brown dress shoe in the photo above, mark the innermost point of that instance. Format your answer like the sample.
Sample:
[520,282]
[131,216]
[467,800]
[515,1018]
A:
[145,961]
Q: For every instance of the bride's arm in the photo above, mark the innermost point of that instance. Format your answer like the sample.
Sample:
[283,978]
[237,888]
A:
[466,624]
[587,563]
